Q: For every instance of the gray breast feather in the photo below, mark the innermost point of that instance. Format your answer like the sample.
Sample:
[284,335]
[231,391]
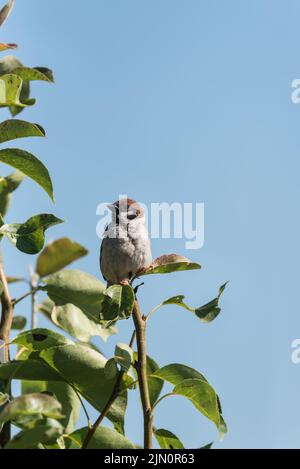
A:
[121,257]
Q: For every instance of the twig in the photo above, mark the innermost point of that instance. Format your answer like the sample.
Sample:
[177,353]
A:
[33,286]
[132,339]
[5,327]
[7,313]
[114,395]
[30,293]
[83,406]
[141,368]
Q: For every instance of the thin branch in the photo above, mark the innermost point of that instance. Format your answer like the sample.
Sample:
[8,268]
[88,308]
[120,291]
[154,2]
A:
[5,327]
[141,368]
[83,406]
[7,313]
[18,300]
[132,339]
[114,395]
[33,315]
[33,286]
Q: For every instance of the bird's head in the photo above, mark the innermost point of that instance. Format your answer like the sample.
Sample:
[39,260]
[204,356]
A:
[126,211]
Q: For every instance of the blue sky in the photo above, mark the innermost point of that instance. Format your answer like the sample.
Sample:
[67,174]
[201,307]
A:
[183,102]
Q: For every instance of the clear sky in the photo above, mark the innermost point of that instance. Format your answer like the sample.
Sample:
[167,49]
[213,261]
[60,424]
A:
[183,101]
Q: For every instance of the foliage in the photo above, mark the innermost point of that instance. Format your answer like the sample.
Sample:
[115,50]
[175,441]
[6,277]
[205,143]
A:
[58,374]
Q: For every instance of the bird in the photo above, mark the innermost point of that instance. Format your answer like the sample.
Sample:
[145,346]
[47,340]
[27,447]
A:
[126,248]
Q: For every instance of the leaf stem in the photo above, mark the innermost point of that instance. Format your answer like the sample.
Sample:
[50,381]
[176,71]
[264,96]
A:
[141,368]
[162,398]
[148,316]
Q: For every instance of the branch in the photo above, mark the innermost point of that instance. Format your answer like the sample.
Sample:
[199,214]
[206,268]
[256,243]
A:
[5,327]
[33,285]
[141,368]
[115,393]
[7,314]
[113,397]
[30,293]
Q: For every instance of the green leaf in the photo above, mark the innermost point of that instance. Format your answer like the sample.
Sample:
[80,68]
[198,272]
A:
[73,320]
[58,255]
[167,439]
[176,373]
[29,387]
[19,323]
[46,307]
[83,367]
[34,74]
[4,398]
[10,90]
[40,339]
[192,385]
[29,237]
[208,446]
[44,432]
[124,356]
[30,166]
[206,313]
[169,263]
[31,370]
[7,65]
[202,396]
[104,438]
[8,185]
[12,129]
[31,405]
[5,11]
[70,402]
[110,368]
[76,287]
[10,64]
[118,302]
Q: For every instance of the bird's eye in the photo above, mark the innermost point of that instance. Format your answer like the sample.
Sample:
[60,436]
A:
[131,216]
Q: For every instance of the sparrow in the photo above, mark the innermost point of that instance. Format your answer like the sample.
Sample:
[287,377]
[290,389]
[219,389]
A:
[125,249]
